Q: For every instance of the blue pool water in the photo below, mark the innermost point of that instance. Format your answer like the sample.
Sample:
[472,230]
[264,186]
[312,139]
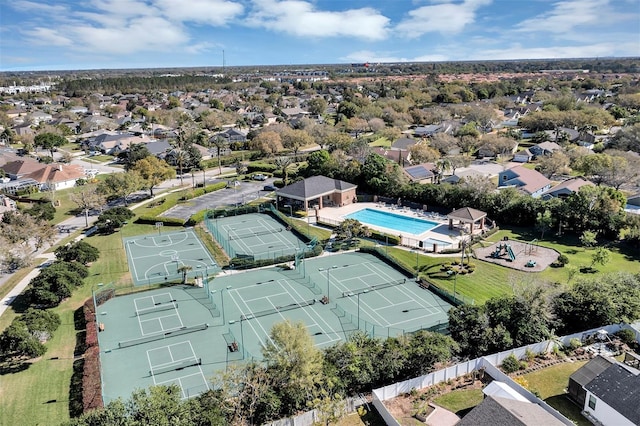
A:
[393,221]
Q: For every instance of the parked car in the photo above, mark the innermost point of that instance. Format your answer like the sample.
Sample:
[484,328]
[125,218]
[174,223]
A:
[260,177]
[269,188]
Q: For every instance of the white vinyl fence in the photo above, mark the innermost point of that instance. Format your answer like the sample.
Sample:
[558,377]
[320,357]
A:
[489,363]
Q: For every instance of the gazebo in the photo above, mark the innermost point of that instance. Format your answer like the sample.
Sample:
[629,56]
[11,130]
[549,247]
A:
[467,215]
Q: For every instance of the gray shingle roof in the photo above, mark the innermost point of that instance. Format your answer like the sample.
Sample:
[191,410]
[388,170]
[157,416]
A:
[619,388]
[314,187]
[591,370]
[496,411]
[467,213]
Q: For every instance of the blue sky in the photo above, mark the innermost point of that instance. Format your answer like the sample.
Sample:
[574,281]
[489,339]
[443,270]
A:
[88,34]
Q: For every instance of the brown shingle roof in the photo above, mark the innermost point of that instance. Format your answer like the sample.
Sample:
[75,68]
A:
[467,213]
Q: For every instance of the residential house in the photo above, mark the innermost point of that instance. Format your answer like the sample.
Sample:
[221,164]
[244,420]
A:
[421,173]
[526,180]
[400,156]
[38,117]
[403,144]
[317,192]
[566,188]
[232,135]
[633,204]
[57,176]
[500,411]
[544,149]
[523,156]
[613,396]
[432,129]
[571,135]
[584,375]
[159,148]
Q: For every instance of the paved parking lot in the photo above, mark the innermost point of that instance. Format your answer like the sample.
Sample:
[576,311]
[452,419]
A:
[231,196]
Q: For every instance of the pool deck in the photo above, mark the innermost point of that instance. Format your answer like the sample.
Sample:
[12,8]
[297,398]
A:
[440,233]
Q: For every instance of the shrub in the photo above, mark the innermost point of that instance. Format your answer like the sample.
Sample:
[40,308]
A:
[562,259]
[575,343]
[627,336]
[91,386]
[511,364]
[529,355]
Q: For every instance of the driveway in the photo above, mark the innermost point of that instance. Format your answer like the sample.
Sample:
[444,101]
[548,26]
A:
[230,196]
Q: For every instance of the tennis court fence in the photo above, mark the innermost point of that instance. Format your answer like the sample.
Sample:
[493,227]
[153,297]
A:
[374,287]
[161,336]
[179,365]
[290,306]
[254,234]
[166,306]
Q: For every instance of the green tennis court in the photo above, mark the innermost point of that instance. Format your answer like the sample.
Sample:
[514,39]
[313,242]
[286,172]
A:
[158,257]
[257,235]
[185,334]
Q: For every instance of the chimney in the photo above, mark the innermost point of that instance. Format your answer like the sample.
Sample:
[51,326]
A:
[59,167]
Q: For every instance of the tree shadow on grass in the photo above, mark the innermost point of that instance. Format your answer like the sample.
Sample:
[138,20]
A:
[567,408]
[12,366]
[20,304]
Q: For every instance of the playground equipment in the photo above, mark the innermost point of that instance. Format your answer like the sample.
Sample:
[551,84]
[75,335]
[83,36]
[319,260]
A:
[501,250]
[530,247]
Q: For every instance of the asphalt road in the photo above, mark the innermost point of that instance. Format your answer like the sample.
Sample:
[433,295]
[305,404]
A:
[233,195]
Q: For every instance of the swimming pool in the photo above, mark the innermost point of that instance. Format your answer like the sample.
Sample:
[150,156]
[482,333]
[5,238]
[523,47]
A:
[393,221]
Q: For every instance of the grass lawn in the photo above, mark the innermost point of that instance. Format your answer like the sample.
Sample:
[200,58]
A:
[41,392]
[460,401]
[551,383]
[382,142]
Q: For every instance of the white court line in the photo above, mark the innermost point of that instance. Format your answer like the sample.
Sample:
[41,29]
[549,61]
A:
[418,296]
[168,349]
[248,321]
[320,317]
[179,380]
[262,297]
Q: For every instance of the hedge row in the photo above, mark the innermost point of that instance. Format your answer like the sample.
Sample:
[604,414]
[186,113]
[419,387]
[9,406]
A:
[168,221]
[91,382]
[389,260]
[201,191]
[259,166]
[382,237]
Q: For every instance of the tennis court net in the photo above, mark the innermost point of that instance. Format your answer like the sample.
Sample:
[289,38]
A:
[290,306]
[157,308]
[255,234]
[179,365]
[374,287]
[160,336]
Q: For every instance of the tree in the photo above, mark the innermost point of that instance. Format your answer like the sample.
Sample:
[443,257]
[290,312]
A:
[457,161]
[50,141]
[220,143]
[86,199]
[294,363]
[544,222]
[284,163]
[44,211]
[601,256]
[267,142]
[422,153]
[184,270]
[351,228]
[588,238]
[444,142]
[553,164]
[121,185]
[79,251]
[135,153]
[113,218]
[296,139]
[16,342]
[317,106]
[154,171]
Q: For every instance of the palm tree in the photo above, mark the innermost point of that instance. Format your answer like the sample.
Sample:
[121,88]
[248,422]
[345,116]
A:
[219,142]
[284,163]
[184,270]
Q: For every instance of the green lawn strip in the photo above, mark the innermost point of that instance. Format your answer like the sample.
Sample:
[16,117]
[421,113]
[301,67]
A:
[460,401]
[551,383]
[382,142]
[47,379]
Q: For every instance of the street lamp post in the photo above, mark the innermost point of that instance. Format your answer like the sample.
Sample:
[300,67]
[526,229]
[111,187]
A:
[455,281]
[328,271]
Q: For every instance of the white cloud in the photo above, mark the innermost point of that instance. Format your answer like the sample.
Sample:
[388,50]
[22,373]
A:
[302,19]
[442,17]
[212,12]
[48,37]
[30,6]
[517,51]
[370,56]
[566,15]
